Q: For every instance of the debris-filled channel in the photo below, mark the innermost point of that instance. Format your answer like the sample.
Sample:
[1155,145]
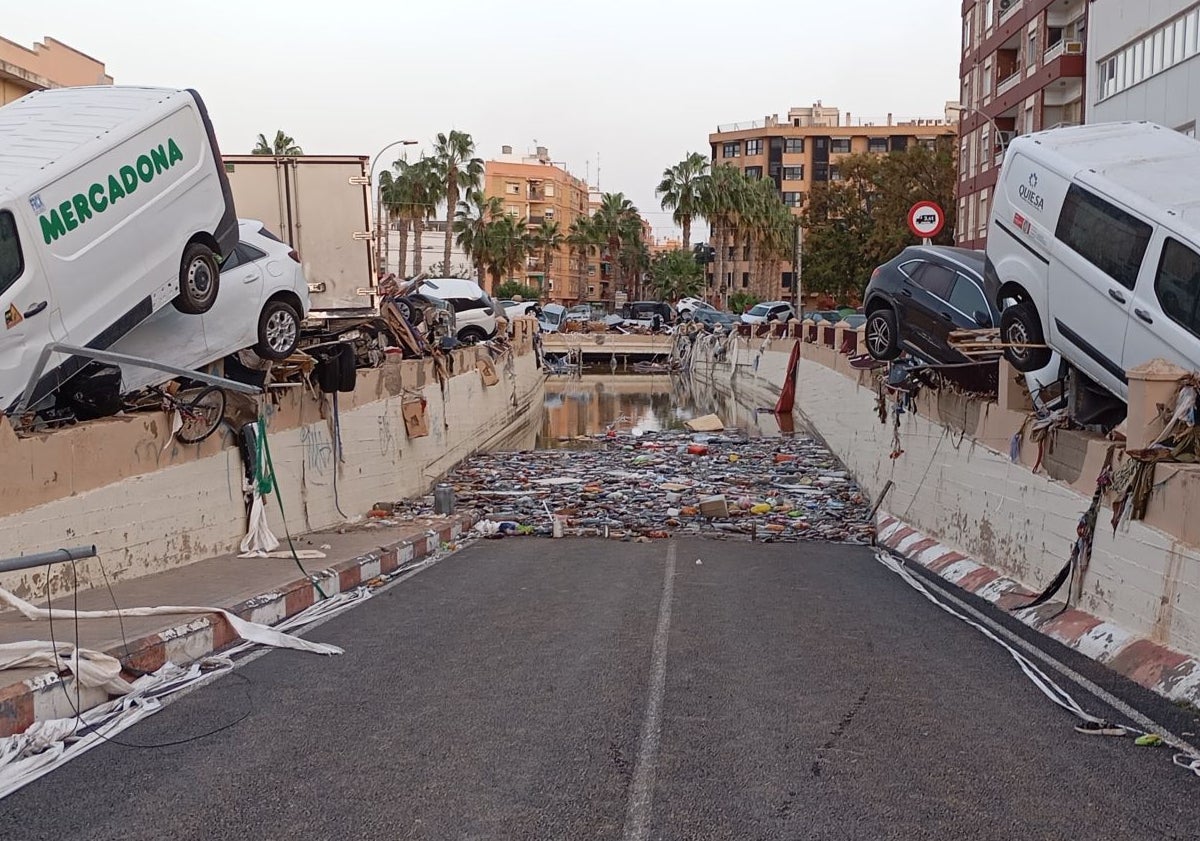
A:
[628,468]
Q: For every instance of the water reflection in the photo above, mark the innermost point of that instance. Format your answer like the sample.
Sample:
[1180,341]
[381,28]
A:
[587,405]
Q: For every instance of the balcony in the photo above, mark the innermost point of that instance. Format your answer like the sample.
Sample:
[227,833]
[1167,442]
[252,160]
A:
[1008,84]
[1005,14]
[1063,47]
[536,220]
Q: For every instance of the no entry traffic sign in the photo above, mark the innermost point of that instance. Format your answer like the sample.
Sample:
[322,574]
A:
[926,219]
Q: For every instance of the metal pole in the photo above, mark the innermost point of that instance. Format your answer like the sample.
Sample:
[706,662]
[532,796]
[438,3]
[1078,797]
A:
[42,558]
[380,260]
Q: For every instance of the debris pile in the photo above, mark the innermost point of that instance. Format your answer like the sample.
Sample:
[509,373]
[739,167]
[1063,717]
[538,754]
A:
[655,485]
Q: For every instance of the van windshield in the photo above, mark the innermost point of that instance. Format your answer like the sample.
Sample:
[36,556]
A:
[12,263]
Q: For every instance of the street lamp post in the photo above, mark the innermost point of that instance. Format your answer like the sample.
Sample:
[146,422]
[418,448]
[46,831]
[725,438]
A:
[380,255]
[991,122]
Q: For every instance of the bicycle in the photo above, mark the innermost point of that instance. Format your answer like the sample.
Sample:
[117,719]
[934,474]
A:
[200,412]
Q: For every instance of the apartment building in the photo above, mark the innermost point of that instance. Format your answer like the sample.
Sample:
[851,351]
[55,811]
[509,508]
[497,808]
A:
[796,153]
[49,64]
[1022,70]
[537,189]
[1142,62]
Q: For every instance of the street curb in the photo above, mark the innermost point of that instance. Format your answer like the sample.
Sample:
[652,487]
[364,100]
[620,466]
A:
[1170,673]
[41,697]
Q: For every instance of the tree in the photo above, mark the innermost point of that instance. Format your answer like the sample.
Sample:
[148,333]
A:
[723,201]
[615,224]
[858,223]
[682,191]
[458,170]
[675,275]
[410,196]
[282,147]
[547,239]
[508,243]
[512,289]
[582,242]
[471,223]
[741,300]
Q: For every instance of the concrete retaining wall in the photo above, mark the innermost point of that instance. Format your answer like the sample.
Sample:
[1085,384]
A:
[150,503]
[955,481]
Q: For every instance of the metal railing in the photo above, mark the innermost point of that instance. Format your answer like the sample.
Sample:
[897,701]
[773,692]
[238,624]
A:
[39,559]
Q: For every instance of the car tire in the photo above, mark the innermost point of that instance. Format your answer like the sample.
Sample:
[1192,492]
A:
[472,335]
[1020,325]
[882,335]
[199,280]
[278,330]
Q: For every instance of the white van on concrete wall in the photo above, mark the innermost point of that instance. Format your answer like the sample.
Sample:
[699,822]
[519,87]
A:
[1094,249]
[113,204]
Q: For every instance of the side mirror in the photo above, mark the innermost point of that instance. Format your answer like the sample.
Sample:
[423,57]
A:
[983,319]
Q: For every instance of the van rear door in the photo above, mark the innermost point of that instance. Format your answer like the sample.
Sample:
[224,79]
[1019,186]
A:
[30,313]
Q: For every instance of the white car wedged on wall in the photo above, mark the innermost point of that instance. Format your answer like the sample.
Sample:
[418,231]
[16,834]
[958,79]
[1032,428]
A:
[769,311]
[263,300]
[475,312]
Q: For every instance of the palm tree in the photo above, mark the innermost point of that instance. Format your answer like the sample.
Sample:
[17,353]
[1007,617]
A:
[411,197]
[283,147]
[458,171]
[508,242]
[682,190]
[615,223]
[582,242]
[425,191]
[548,238]
[390,196]
[471,223]
[723,202]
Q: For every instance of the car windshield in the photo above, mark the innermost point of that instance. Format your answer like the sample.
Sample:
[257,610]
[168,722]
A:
[759,309]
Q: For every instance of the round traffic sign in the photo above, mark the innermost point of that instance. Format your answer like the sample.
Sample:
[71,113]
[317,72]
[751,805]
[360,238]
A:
[926,219]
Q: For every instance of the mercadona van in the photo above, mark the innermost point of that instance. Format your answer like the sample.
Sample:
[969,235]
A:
[113,204]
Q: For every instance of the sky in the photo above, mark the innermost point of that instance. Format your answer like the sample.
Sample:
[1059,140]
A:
[617,90]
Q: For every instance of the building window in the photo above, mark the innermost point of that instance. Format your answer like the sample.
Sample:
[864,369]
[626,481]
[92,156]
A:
[877,144]
[549,191]
[1164,47]
[549,212]
[820,171]
[745,280]
[513,210]
[835,173]
[1101,233]
[746,251]
[839,145]
[512,188]
[982,217]
[754,173]
[731,253]
[591,273]
[793,198]
[732,150]
[793,145]
[754,147]
[960,221]
[793,173]
[1031,54]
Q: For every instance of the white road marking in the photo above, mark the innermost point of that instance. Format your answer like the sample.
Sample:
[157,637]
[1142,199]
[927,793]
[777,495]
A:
[641,790]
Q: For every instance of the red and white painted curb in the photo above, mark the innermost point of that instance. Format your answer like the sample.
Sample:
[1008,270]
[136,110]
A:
[1170,673]
[40,698]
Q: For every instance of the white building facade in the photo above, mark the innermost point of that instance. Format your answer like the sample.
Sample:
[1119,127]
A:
[1144,62]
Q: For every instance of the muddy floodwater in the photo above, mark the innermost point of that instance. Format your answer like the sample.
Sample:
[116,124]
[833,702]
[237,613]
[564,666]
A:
[579,407]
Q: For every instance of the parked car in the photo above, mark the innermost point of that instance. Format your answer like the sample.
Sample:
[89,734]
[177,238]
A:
[769,311]
[581,313]
[687,307]
[113,204]
[915,299]
[264,298]
[515,309]
[854,320]
[1094,249]
[711,319]
[644,312]
[475,312]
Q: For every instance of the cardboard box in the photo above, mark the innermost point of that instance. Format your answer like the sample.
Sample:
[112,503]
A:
[416,423]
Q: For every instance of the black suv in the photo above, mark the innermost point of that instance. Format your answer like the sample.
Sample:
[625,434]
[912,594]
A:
[914,300]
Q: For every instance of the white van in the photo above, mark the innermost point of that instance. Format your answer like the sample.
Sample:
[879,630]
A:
[1094,249]
[113,204]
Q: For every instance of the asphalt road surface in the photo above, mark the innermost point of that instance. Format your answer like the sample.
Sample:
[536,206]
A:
[530,689]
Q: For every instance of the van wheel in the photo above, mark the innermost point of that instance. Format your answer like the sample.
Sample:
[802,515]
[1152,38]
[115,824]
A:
[199,278]
[883,335]
[472,335]
[1020,326]
[278,330]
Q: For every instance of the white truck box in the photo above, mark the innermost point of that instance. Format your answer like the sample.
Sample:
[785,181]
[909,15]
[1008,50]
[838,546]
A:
[320,205]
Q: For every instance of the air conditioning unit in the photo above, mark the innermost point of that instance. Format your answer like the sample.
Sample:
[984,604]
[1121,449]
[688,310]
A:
[1005,5]
[1073,47]
[1003,138]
